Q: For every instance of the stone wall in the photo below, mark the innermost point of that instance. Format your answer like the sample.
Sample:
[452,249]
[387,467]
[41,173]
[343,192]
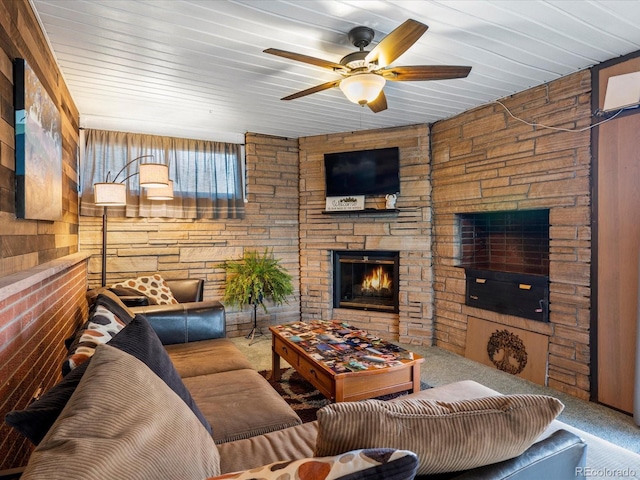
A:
[178,248]
[485,160]
[27,243]
[408,232]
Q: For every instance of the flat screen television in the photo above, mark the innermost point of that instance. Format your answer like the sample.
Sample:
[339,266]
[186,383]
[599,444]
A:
[363,172]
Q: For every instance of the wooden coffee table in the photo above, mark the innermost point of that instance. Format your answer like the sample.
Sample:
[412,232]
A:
[344,363]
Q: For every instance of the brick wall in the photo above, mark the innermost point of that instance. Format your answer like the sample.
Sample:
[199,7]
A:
[27,243]
[38,311]
[179,248]
[484,160]
[408,232]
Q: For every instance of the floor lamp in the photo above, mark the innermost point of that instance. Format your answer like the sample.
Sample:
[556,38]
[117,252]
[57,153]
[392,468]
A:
[111,193]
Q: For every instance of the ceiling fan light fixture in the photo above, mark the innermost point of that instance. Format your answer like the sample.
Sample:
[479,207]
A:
[362,88]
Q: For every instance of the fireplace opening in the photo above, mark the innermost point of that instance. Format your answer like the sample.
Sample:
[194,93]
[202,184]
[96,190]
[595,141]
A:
[506,260]
[365,280]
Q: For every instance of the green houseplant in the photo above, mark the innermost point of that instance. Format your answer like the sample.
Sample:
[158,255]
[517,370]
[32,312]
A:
[253,279]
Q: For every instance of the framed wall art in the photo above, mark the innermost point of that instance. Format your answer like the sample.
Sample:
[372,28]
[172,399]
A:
[38,148]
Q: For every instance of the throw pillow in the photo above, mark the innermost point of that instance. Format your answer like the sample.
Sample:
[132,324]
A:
[124,422]
[107,317]
[154,287]
[139,339]
[35,421]
[446,436]
[369,464]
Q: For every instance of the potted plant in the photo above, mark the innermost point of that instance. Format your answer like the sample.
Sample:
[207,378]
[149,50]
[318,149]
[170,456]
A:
[253,279]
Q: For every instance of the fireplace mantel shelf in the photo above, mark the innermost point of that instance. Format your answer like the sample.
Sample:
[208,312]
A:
[366,211]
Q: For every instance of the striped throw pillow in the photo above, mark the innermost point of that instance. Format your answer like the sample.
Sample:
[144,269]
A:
[446,436]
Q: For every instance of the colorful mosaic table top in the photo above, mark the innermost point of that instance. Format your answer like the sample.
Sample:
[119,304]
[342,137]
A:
[342,347]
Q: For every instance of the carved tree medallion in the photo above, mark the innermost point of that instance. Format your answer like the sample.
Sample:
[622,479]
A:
[507,352]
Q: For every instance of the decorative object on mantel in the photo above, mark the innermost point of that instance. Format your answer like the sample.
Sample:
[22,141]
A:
[38,148]
[347,203]
[363,212]
[111,193]
[391,201]
[253,279]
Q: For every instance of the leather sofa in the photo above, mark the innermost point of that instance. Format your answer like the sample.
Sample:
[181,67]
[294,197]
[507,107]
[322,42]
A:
[214,364]
[559,452]
[252,426]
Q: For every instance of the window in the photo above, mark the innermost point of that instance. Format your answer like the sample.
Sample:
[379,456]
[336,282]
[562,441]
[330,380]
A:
[207,176]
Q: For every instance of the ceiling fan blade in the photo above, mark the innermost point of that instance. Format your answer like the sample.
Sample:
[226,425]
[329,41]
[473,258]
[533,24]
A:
[317,88]
[424,72]
[396,43]
[305,59]
[379,104]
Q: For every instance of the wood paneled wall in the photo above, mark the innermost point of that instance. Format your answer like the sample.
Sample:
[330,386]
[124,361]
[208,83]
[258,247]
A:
[34,321]
[27,243]
[617,167]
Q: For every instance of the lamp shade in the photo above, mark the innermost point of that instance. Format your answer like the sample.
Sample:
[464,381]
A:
[154,175]
[362,88]
[162,193]
[110,194]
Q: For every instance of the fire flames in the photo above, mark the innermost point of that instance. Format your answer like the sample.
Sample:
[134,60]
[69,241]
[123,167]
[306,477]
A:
[376,282]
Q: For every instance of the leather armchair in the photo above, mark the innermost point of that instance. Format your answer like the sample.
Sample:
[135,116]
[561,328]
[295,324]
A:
[187,290]
[186,322]
[190,320]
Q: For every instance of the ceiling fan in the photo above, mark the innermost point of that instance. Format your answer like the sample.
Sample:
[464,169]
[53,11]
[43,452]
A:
[365,72]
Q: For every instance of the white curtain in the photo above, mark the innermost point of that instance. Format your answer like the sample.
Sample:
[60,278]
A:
[207,176]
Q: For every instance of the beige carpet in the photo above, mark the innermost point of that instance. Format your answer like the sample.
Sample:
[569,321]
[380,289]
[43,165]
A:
[442,367]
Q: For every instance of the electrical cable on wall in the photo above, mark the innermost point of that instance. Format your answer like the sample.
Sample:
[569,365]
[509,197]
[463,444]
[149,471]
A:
[559,128]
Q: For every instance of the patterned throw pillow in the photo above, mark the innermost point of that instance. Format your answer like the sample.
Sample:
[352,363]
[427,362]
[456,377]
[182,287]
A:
[154,287]
[367,464]
[446,436]
[106,319]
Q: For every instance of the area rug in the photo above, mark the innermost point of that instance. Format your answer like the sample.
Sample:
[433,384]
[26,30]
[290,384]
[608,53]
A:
[303,397]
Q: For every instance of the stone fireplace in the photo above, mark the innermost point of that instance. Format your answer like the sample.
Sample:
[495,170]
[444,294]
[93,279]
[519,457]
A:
[366,280]
[406,230]
[506,260]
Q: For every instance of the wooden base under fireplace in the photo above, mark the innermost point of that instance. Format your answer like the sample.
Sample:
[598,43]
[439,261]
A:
[527,352]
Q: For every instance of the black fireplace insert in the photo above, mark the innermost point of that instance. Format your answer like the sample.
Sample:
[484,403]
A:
[506,260]
[366,280]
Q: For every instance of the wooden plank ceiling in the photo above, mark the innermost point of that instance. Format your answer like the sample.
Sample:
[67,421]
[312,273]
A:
[196,68]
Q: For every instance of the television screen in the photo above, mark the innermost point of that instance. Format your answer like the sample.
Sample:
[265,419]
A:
[364,172]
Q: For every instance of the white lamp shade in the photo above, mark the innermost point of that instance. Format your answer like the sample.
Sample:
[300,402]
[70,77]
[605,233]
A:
[363,88]
[162,193]
[110,194]
[154,175]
